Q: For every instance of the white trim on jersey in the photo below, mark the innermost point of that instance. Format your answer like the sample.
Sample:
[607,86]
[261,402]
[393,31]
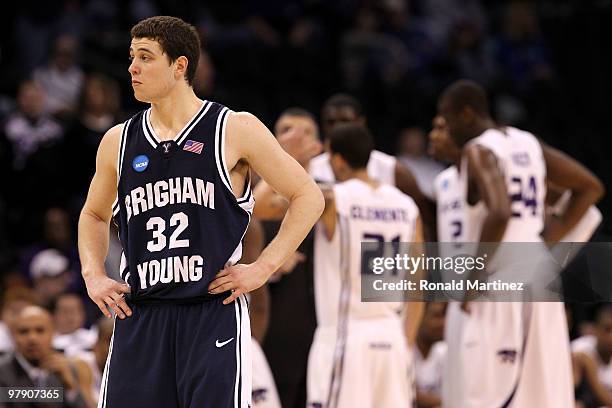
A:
[246,201]
[182,135]
[343,314]
[154,140]
[124,133]
[145,130]
[238,327]
[242,386]
[218,145]
[104,382]
[115,206]
[222,151]
[245,355]
[120,154]
[123,266]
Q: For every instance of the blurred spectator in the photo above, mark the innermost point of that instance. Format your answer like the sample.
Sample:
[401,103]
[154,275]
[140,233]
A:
[204,80]
[472,54]
[37,22]
[370,56]
[96,358]
[99,108]
[443,15]
[13,302]
[521,50]
[50,273]
[62,78]
[599,348]
[37,170]
[412,153]
[35,364]
[70,334]
[430,354]
[56,234]
[412,32]
[30,128]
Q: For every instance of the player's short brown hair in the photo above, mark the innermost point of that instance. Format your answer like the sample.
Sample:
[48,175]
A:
[176,38]
[353,142]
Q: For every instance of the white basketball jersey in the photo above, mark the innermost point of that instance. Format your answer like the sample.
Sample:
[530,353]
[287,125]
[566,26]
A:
[429,369]
[381,167]
[543,378]
[454,216]
[588,346]
[365,213]
[521,161]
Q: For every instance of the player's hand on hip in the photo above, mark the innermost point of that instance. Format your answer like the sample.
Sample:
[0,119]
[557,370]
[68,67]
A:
[108,293]
[239,279]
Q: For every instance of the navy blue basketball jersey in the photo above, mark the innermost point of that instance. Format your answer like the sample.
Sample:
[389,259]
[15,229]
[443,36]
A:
[179,220]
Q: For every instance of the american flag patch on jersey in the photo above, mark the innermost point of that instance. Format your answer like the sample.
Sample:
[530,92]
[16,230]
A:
[193,146]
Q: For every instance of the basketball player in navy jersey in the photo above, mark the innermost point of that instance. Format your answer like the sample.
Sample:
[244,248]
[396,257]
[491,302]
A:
[179,176]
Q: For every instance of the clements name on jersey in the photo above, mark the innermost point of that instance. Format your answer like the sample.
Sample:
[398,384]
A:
[176,190]
[379,214]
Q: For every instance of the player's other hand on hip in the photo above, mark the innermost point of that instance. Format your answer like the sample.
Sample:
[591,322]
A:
[108,293]
[239,279]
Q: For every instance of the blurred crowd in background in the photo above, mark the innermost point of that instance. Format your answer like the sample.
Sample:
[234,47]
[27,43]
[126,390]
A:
[64,82]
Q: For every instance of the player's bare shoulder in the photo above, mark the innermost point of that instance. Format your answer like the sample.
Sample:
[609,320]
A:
[108,150]
[244,132]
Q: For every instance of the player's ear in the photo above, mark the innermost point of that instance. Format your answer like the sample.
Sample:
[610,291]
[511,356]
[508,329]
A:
[180,67]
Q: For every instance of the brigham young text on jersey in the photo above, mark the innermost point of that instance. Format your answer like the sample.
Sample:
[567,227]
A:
[173,201]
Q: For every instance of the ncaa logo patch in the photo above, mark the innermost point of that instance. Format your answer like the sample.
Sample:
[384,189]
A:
[140,163]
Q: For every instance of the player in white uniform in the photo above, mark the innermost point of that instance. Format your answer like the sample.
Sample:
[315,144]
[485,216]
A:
[598,348]
[359,357]
[430,356]
[513,355]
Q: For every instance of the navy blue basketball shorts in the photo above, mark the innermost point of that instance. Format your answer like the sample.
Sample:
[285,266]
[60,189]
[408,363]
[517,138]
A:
[180,356]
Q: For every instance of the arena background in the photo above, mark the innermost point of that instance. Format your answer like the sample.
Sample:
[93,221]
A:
[547,65]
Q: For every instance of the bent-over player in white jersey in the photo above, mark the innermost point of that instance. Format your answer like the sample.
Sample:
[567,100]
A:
[514,355]
[360,357]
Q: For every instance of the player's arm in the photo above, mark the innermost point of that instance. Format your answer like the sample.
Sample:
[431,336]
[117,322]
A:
[407,184]
[488,180]
[94,225]
[269,205]
[426,399]
[585,187]
[255,144]
[589,369]
[414,310]
[328,218]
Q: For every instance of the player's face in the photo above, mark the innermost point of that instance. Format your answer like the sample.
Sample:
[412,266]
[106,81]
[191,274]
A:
[603,332]
[453,120]
[32,336]
[441,146]
[153,76]
[302,124]
[69,314]
[335,115]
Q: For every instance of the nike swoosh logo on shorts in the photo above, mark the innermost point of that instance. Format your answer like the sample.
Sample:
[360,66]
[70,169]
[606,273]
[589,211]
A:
[220,344]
